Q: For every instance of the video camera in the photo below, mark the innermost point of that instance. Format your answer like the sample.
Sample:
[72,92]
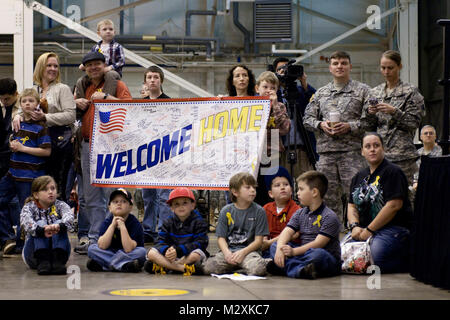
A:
[291,72]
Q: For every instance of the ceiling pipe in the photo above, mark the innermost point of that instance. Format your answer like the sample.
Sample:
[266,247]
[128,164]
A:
[136,39]
[241,27]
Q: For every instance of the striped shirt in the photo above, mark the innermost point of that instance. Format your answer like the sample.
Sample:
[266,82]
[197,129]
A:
[23,166]
[321,221]
[114,57]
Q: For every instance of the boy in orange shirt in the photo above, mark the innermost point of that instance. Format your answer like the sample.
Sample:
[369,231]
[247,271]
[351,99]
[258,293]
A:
[279,211]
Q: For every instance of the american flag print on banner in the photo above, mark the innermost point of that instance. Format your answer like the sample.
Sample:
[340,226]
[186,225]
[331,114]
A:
[112,120]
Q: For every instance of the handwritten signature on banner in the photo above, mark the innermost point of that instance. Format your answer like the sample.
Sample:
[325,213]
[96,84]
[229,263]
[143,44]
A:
[198,143]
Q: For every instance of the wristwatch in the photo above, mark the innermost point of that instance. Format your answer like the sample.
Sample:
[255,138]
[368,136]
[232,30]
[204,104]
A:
[105,96]
[354,224]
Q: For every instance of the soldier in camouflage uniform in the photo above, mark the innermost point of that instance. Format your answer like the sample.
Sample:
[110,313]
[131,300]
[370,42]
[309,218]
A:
[338,144]
[394,110]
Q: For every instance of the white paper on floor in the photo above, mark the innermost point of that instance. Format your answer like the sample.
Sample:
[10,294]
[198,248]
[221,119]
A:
[237,276]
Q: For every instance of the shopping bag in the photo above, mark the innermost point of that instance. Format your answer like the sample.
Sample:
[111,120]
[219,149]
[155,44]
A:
[355,255]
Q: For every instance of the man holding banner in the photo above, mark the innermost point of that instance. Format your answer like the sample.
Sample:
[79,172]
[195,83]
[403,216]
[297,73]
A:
[156,210]
[95,197]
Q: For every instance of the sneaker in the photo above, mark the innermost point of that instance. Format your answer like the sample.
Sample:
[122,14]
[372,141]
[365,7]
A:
[44,268]
[132,266]
[82,247]
[148,239]
[308,272]
[9,247]
[154,268]
[190,269]
[273,269]
[93,265]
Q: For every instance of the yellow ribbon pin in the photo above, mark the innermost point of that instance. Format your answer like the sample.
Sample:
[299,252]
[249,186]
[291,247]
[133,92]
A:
[271,123]
[319,217]
[375,183]
[283,218]
[53,211]
[23,140]
[230,219]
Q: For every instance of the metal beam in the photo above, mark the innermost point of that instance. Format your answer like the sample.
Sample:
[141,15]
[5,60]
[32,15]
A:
[343,36]
[102,14]
[36,6]
[23,46]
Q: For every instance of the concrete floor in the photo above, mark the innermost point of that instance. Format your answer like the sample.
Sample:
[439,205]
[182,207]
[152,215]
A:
[17,282]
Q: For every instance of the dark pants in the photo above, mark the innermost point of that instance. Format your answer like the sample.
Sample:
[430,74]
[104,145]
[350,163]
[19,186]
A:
[57,241]
[325,264]
[9,209]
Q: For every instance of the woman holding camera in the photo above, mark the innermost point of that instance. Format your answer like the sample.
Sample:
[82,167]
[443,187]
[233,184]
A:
[395,109]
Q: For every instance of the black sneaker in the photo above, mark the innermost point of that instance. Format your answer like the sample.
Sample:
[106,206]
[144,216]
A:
[154,268]
[191,269]
[93,265]
[82,247]
[44,268]
[308,272]
[148,239]
[132,266]
[9,247]
[274,270]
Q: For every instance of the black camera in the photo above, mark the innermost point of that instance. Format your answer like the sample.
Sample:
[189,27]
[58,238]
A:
[291,72]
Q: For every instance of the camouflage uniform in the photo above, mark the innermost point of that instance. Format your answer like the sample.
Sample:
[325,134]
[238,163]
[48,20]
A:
[340,156]
[397,129]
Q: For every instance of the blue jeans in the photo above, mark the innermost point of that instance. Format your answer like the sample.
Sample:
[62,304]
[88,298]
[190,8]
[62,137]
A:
[325,264]
[10,208]
[155,208]
[83,219]
[95,198]
[390,249]
[115,259]
[32,244]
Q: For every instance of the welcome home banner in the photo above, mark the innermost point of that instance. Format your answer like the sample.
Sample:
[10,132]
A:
[198,143]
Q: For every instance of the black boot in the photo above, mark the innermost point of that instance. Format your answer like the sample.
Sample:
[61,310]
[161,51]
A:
[60,258]
[43,257]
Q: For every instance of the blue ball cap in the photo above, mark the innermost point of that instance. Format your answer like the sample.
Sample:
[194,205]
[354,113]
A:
[281,172]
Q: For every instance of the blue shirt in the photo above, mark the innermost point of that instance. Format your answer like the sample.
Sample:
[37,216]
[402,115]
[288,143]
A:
[134,229]
[322,221]
[24,166]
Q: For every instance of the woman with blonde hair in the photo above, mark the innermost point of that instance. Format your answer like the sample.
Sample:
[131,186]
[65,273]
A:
[60,118]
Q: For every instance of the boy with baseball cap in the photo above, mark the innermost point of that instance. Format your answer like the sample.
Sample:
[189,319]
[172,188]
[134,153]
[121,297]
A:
[120,246]
[281,209]
[183,239]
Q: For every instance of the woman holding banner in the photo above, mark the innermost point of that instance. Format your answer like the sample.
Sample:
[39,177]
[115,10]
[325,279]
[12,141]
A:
[240,81]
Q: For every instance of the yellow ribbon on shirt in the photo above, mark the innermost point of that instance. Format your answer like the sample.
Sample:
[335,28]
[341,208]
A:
[53,211]
[283,218]
[230,219]
[375,183]
[271,123]
[319,217]
[23,140]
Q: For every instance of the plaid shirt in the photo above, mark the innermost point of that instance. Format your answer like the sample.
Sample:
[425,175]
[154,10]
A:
[115,57]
